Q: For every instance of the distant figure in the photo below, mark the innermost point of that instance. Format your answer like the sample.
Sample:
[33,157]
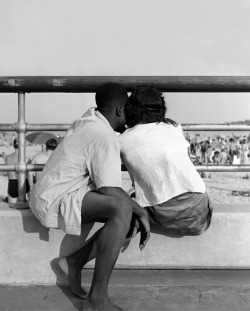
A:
[2,162]
[232,148]
[236,158]
[12,139]
[13,176]
[216,157]
[204,147]
[245,151]
[2,158]
[224,157]
[210,153]
[41,158]
[193,149]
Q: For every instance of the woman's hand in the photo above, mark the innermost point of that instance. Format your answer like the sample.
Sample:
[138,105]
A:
[140,224]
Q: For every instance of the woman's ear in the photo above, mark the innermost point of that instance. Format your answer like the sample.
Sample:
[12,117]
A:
[119,111]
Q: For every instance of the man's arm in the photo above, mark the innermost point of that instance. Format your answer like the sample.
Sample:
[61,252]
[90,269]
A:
[140,213]
[120,193]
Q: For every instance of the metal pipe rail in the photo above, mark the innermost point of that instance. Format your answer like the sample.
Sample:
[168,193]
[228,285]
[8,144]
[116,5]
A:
[89,84]
[29,167]
[223,168]
[186,127]
[200,168]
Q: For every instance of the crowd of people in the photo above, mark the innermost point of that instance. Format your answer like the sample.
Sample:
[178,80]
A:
[220,150]
[217,150]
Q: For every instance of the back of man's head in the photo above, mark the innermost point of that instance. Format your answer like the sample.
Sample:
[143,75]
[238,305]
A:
[111,95]
[51,144]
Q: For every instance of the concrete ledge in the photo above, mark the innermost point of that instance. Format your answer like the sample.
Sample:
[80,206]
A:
[27,248]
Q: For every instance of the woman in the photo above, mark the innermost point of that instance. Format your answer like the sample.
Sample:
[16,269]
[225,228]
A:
[166,182]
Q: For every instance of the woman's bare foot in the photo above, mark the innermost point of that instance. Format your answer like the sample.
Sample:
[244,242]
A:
[100,305]
[73,275]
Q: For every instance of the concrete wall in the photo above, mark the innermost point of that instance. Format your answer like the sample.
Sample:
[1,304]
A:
[27,248]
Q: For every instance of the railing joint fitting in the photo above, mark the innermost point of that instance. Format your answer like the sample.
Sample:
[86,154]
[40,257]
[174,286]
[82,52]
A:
[21,127]
[21,168]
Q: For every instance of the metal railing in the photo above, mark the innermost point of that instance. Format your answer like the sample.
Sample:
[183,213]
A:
[89,84]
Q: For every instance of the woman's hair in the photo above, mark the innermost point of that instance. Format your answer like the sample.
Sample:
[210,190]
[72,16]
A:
[145,105]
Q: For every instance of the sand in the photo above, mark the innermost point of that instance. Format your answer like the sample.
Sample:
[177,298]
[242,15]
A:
[220,186]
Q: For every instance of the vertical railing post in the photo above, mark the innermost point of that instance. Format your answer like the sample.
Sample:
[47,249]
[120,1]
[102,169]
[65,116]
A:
[21,165]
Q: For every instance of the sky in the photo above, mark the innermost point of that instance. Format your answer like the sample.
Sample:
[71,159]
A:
[125,38]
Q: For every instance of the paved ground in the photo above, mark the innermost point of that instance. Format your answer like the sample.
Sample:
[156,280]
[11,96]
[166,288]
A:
[188,290]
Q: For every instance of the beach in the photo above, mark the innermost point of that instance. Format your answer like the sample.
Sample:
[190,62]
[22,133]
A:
[219,185]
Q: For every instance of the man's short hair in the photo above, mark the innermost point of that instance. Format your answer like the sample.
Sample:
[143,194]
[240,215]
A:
[15,143]
[51,144]
[145,105]
[111,95]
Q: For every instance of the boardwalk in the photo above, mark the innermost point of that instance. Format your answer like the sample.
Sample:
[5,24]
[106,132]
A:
[145,290]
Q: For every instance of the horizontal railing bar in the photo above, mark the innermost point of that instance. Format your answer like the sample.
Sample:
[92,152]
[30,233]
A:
[215,127]
[35,127]
[186,127]
[34,167]
[223,168]
[89,84]
[8,127]
[200,168]
[13,167]
[7,168]
[49,127]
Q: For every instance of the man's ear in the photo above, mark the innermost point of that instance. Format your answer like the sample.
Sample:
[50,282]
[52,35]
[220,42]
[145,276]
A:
[118,111]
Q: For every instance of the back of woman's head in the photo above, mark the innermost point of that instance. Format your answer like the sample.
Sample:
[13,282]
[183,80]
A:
[145,105]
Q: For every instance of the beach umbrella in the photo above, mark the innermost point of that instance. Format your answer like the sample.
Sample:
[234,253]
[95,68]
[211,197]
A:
[40,138]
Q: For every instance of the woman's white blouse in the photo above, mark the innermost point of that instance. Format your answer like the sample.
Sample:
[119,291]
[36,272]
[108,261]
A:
[156,156]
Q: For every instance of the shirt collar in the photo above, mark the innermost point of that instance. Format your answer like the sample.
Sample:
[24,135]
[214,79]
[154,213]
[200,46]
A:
[93,113]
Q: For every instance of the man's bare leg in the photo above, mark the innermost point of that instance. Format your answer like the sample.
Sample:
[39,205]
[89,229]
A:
[82,257]
[73,264]
[117,216]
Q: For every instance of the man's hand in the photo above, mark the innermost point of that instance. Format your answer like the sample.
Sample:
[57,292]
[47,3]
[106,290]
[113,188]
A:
[140,213]
[140,224]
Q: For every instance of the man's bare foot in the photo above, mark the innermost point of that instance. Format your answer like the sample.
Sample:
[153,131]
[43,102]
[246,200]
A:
[73,275]
[100,305]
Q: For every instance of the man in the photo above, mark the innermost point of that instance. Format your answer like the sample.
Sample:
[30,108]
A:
[41,158]
[13,176]
[80,184]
